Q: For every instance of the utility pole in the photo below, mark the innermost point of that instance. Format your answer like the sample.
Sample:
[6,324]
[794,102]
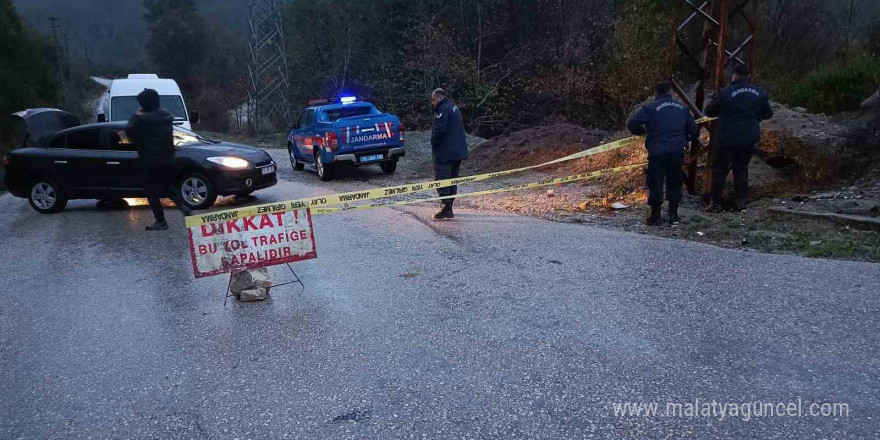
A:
[268,86]
[67,60]
[58,56]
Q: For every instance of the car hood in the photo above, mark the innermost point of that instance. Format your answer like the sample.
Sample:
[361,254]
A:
[253,154]
[37,124]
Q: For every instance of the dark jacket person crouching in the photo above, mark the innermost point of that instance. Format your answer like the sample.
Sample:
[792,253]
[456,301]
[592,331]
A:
[669,126]
[151,129]
[448,147]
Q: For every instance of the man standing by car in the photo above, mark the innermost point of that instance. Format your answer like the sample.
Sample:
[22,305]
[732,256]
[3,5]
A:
[448,147]
[669,126]
[151,130]
[740,108]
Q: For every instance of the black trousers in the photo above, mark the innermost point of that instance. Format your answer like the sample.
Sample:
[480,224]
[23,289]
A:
[447,170]
[723,161]
[158,183]
[665,168]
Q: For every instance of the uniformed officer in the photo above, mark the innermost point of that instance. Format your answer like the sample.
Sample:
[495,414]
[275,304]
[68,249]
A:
[669,126]
[740,108]
[448,147]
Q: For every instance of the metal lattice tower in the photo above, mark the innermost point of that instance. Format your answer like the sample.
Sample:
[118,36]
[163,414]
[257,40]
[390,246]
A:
[268,88]
[709,58]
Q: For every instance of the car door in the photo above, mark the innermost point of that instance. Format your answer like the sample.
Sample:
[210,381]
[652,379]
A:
[123,176]
[78,162]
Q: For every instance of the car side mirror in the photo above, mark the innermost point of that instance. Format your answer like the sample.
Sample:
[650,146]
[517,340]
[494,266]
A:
[194,117]
[102,117]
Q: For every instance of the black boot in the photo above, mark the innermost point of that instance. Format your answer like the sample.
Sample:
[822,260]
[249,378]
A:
[157,226]
[674,219]
[654,218]
[445,213]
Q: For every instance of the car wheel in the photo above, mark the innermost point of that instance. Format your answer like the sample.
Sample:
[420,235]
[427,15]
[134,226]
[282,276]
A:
[325,171]
[388,167]
[197,191]
[46,197]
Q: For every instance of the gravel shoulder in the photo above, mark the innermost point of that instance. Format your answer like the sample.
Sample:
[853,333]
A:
[589,203]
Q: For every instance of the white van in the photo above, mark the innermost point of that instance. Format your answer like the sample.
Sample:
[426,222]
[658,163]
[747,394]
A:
[121,100]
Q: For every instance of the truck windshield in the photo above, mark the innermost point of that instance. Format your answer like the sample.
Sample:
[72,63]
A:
[122,107]
[333,114]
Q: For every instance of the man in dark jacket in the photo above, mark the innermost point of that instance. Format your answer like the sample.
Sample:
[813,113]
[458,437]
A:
[740,108]
[669,126]
[448,146]
[151,130]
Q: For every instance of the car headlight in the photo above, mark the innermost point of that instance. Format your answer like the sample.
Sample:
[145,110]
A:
[230,162]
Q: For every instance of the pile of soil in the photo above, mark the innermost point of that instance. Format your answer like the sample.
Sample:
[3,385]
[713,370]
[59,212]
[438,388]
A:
[533,146]
[811,148]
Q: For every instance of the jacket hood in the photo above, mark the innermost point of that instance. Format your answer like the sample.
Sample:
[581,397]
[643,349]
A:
[159,115]
[149,100]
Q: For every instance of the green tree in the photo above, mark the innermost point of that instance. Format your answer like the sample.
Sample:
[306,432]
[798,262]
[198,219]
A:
[176,38]
[26,78]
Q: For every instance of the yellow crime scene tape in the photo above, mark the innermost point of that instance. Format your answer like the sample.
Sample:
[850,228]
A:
[540,183]
[318,204]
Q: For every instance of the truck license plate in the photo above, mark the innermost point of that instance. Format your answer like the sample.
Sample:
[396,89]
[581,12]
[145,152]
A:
[268,170]
[371,157]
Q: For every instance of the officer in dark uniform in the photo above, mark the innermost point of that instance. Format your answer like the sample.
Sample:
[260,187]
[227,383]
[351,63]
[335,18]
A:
[151,129]
[669,126]
[740,108]
[448,147]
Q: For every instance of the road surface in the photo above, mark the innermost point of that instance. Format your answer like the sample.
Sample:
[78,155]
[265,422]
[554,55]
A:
[490,326]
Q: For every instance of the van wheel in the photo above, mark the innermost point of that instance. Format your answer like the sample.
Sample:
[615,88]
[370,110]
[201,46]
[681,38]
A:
[46,197]
[388,167]
[325,171]
[197,191]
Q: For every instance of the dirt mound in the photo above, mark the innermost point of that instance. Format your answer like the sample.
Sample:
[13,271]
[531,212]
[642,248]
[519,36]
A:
[814,147]
[533,146]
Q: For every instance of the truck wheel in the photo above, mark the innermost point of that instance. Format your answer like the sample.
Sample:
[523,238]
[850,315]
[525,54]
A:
[325,171]
[46,198]
[294,162]
[388,167]
[197,191]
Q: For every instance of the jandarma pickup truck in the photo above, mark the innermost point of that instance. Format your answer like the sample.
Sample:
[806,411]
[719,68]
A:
[333,132]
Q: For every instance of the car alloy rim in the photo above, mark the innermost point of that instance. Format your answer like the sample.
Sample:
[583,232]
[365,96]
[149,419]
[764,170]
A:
[320,164]
[43,195]
[194,190]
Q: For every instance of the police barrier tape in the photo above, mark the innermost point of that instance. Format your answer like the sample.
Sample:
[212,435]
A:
[540,183]
[316,203]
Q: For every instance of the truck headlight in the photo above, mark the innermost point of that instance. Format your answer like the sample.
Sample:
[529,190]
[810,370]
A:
[230,162]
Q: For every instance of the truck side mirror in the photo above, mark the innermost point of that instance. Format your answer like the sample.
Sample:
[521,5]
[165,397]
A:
[194,117]
[102,117]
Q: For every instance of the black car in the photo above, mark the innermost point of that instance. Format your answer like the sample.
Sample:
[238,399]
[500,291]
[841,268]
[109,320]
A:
[97,161]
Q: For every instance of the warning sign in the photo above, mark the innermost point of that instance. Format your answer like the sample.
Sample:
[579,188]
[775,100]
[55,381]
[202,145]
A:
[231,243]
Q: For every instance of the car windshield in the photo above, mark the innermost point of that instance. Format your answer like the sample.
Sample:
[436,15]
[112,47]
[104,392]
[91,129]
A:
[183,137]
[122,107]
[334,114]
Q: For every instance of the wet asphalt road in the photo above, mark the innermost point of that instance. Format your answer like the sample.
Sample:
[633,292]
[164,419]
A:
[490,326]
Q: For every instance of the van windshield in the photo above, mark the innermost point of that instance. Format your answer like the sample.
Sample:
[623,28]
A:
[122,107]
